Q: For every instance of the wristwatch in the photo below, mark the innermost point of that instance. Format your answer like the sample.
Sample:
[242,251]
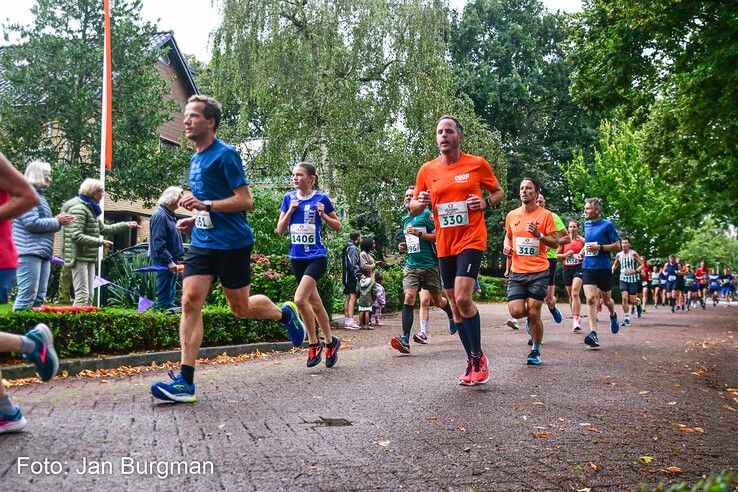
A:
[540,235]
[208,204]
[488,202]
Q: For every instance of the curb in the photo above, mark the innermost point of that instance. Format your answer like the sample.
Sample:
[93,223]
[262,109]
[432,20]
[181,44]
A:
[75,366]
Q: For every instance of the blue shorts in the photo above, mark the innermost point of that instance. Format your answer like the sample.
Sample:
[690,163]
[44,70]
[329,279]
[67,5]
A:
[671,286]
[726,291]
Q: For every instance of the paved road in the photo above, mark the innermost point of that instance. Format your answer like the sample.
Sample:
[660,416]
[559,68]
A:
[584,419]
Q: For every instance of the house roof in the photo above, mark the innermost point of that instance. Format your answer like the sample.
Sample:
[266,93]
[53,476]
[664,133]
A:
[159,40]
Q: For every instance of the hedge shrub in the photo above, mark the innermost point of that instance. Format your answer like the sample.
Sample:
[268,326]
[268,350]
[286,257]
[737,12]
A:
[121,331]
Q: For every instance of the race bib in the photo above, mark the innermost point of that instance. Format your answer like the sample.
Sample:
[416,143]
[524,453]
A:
[413,241]
[452,214]
[303,234]
[572,260]
[527,246]
[587,252]
[202,220]
[672,278]
[644,283]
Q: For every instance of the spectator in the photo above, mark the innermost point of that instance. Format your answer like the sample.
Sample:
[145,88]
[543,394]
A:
[33,235]
[82,240]
[165,246]
[351,272]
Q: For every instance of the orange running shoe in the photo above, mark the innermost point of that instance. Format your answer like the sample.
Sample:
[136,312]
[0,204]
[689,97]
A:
[480,370]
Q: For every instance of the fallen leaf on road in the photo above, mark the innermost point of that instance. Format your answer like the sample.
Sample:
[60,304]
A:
[537,403]
[585,424]
[672,403]
[384,444]
[586,489]
[221,426]
[462,428]
[677,385]
[674,470]
[466,450]
[646,459]
[431,417]
[684,428]
[644,392]
[594,466]
[519,407]
[541,434]
[594,429]
[104,381]
[728,407]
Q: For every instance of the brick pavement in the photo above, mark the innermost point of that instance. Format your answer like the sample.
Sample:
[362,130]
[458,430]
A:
[381,421]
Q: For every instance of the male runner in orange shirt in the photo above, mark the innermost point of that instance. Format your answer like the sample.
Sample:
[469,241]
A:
[452,183]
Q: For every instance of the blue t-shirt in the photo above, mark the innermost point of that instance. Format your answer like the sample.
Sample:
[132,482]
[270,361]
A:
[714,281]
[305,225]
[214,174]
[672,269]
[600,232]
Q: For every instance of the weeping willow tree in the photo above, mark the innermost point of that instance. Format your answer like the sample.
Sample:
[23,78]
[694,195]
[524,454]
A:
[354,87]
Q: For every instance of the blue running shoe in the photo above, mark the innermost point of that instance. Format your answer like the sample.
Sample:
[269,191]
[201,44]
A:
[626,322]
[527,327]
[592,340]
[295,328]
[556,314]
[639,308]
[331,352]
[44,357]
[177,391]
[534,358]
[452,326]
[614,327]
[14,422]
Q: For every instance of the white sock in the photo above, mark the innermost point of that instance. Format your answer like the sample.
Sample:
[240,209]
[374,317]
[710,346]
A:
[423,325]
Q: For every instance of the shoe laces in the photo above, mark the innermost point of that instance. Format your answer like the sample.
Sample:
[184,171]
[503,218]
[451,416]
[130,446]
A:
[171,375]
[477,362]
[315,351]
[469,366]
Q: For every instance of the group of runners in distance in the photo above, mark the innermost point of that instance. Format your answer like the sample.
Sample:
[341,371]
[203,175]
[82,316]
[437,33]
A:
[445,239]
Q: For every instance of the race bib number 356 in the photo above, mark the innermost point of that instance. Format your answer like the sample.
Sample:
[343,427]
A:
[452,214]
[303,234]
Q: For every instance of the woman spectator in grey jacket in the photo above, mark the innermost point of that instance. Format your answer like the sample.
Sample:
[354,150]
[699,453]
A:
[33,235]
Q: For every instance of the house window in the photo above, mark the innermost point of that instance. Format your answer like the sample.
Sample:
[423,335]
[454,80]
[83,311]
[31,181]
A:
[167,145]
[127,238]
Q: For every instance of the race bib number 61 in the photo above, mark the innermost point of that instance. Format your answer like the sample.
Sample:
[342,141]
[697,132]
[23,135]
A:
[452,214]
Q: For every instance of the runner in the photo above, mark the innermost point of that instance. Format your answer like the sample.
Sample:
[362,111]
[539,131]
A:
[530,229]
[571,255]
[645,272]
[663,284]
[692,287]
[701,273]
[421,271]
[727,279]
[553,260]
[714,284]
[221,245]
[656,285]
[37,346]
[671,281]
[351,271]
[452,183]
[302,213]
[630,264]
[679,286]
[600,239]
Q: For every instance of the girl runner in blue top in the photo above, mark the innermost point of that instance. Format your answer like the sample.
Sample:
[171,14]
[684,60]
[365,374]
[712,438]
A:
[302,214]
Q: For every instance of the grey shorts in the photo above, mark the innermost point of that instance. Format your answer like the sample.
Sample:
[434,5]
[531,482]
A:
[422,278]
[527,286]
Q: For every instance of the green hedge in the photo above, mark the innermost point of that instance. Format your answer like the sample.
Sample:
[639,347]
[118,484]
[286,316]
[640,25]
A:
[121,331]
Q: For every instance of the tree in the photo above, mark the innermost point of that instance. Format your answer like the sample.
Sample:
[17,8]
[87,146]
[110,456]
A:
[670,65]
[51,109]
[633,195]
[354,87]
[712,243]
[508,57]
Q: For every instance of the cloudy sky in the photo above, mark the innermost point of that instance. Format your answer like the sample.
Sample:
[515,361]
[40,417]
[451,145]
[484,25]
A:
[191,30]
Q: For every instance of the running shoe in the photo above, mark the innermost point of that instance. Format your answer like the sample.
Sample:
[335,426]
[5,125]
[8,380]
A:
[452,326]
[530,342]
[614,327]
[556,314]
[400,344]
[480,370]
[639,308]
[534,358]
[420,338]
[331,352]
[315,354]
[44,357]
[626,322]
[465,379]
[632,309]
[14,422]
[592,340]
[512,323]
[576,328]
[295,328]
[177,391]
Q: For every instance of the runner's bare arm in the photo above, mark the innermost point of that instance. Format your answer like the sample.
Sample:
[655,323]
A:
[22,194]
[495,196]
[615,264]
[563,237]
[332,220]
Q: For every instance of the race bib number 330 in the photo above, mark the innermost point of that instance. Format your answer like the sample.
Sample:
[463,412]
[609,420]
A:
[452,214]
[303,234]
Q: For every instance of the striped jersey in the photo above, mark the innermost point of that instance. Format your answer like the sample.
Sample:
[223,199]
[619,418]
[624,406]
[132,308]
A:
[627,262]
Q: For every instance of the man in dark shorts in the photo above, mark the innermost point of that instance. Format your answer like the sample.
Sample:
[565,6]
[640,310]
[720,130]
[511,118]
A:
[350,277]
[600,239]
[221,245]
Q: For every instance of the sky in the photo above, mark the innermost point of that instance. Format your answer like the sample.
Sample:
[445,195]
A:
[192,31]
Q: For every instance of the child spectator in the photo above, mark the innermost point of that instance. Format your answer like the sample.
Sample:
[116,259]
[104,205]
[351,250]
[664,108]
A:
[380,301]
[367,295]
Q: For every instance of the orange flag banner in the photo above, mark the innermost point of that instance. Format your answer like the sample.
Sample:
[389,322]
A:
[106,132]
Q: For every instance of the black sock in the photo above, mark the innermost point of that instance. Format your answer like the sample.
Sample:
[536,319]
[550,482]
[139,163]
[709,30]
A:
[286,316]
[474,333]
[188,373]
[464,339]
[447,310]
[407,320]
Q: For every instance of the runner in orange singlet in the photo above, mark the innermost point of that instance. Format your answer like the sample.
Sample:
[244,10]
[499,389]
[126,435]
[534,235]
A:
[452,183]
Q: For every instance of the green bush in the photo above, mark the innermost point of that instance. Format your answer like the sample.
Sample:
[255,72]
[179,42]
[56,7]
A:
[121,331]
[720,482]
[493,289]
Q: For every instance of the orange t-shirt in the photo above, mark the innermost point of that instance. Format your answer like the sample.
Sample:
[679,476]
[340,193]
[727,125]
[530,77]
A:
[457,227]
[529,253]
